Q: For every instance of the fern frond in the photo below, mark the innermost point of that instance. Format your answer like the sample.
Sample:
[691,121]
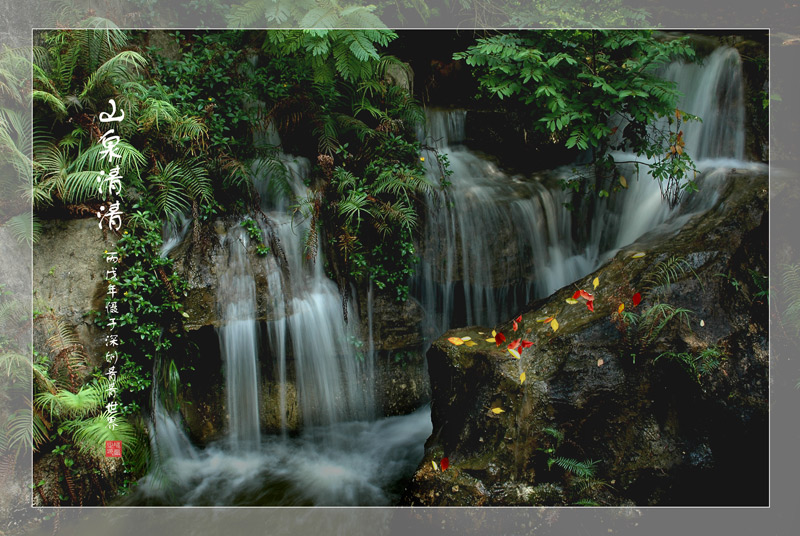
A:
[584,469]
[668,272]
[65,404]
[25,228]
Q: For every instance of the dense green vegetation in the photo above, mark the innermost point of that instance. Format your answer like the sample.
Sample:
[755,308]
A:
[195,143]
[578,87]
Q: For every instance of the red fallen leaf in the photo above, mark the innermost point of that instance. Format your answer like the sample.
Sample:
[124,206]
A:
[499,339]
[514,325]
[519,318]
[514,345]
[577,294]
[637,299]
[526,344]
[585,295]
[590,305]
[444,464]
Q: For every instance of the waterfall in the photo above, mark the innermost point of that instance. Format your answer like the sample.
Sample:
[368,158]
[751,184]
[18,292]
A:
[494,241]
[490,243]
[238,336]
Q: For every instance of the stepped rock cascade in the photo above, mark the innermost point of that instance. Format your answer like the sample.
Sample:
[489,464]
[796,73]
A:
[490,244]
[344,454]
[493,242]
[335,382]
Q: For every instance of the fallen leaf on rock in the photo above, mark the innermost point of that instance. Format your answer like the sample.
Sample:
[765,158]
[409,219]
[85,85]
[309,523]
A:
[435,467]
[526,344]
[499,339]
[621,308]
[637,299]
[470,343]
[456,341]
[445,463]
[702,323]
[638,255]
[554,324]
[465,339]
[522,378]
[600,362]
[498,411]
[572,301]
[595,282]
[590,305]
[514,353]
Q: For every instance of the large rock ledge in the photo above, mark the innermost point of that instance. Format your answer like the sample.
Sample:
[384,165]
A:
[661,434]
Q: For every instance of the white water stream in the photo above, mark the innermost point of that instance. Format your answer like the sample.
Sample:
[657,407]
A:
[492,244]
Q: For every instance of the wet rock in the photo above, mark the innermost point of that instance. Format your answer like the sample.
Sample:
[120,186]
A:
[662,432]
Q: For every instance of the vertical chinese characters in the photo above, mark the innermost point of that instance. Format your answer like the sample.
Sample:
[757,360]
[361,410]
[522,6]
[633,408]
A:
[110,187]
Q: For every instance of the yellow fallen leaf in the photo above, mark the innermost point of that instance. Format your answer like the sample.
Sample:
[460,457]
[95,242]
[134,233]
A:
[513,353]
[638,255]
[456,341]
[623,182]
[595,282]
[481,333]
[470,343]
[554,324]
[490,340]
[702,323]
[435,467]
[621,308]
[572,301]
[522,378]
[600,362]
[494,333]
[465,339]
[498,411]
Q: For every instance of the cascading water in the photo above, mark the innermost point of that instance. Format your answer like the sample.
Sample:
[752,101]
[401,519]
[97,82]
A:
[493,241]
[238,336]
[343,454]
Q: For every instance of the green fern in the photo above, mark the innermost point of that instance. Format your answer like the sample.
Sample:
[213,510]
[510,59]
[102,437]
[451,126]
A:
[556,434]
[656,318]
[65,404]
[667,272]
[90,436]
[584,469]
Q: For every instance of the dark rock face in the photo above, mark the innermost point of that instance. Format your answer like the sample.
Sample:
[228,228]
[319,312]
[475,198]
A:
[680,429]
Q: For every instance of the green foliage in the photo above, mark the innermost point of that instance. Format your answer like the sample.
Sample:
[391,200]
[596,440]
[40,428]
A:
[584,469]
[573,85]
[667,272]
[706,361]
[255,233]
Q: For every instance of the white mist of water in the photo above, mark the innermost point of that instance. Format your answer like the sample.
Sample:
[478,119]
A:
[468,275]
[238,336]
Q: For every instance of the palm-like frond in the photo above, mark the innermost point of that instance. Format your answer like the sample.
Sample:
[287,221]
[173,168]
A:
[92,159]
[156,113]
[90,436]
[26,228]
[65,404]
[117,70]
[178,184]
